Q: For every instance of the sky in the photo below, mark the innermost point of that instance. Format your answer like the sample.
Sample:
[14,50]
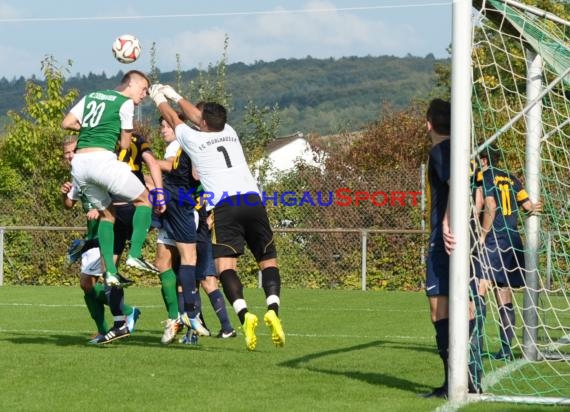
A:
[258,30]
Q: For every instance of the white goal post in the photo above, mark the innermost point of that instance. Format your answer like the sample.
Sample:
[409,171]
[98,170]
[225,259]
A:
[511,88]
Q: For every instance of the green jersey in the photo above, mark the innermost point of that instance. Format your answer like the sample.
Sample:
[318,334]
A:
[100,117]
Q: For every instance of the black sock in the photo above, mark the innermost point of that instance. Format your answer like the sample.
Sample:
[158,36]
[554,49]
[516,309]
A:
[271,283]
[115,297]
[233,289]
[442,340]
[232,286]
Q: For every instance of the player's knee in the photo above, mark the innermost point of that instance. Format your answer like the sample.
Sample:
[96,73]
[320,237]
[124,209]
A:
[142,199]
[187,252]
[86,284]
[209,284]
[162,265]
[267,263]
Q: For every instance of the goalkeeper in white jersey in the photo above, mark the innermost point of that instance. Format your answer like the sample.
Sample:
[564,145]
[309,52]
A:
[237,214]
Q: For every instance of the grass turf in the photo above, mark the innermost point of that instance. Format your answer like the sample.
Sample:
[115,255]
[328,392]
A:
[345,350]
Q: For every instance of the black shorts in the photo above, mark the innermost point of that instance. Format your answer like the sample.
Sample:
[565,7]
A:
[240,221]
[123,226]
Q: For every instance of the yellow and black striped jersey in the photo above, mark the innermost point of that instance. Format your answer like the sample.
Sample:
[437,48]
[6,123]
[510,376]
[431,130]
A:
[133,155]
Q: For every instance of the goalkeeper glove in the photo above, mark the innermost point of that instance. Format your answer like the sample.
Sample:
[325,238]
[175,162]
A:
[170,93]
[154,90]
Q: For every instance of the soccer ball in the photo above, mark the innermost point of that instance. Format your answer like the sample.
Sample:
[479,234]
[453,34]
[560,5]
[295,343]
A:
[126,48]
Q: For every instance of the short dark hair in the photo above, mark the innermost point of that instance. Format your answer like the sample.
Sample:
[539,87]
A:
[492,153]
[215,115]
[439,115]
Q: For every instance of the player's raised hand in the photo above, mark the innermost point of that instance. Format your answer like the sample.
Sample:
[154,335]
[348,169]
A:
[170,93]
[155,93]
[154,90]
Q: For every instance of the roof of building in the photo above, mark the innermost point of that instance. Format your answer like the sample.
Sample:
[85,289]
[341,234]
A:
[281,141]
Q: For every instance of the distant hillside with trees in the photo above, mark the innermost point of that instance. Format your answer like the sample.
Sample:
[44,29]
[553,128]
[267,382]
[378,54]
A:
[313,95]
[384,155]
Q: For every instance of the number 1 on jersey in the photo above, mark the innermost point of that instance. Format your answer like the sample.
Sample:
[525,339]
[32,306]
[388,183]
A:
[223,150]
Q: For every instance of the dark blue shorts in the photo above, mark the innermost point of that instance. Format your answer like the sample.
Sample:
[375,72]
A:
[178,222]
[502,261]
[205,255]
[437,273]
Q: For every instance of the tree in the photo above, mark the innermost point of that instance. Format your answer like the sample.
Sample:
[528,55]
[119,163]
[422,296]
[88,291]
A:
[31,146]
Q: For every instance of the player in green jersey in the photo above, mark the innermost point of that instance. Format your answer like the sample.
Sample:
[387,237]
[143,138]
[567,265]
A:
[102,118]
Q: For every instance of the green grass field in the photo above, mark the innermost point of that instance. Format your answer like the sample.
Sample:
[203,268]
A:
[345,350]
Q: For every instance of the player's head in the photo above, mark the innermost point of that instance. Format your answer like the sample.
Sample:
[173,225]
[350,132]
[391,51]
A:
[135,85]
[69,144]
[166,131]
[490,156]
[438,117]
[215,116]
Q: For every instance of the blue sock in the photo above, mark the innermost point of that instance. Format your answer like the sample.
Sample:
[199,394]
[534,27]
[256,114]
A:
[219,305]
[507,315]
[187,277]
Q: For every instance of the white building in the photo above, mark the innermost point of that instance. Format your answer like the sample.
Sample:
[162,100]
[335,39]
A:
[283,153]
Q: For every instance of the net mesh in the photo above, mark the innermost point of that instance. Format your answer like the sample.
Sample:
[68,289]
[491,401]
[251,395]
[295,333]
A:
[506,36]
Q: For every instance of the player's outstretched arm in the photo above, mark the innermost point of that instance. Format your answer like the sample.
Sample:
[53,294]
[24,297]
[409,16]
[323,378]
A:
[533,208]
[166,164]
[70,122]
[156,177]
[154,168]
[163,107]
[190,111]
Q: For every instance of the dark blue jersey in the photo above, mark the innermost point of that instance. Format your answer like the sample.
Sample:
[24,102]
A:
[508,193]
[438,178]
[180,176]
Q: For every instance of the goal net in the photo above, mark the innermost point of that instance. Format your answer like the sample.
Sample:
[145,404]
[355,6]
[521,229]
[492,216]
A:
[521,106]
